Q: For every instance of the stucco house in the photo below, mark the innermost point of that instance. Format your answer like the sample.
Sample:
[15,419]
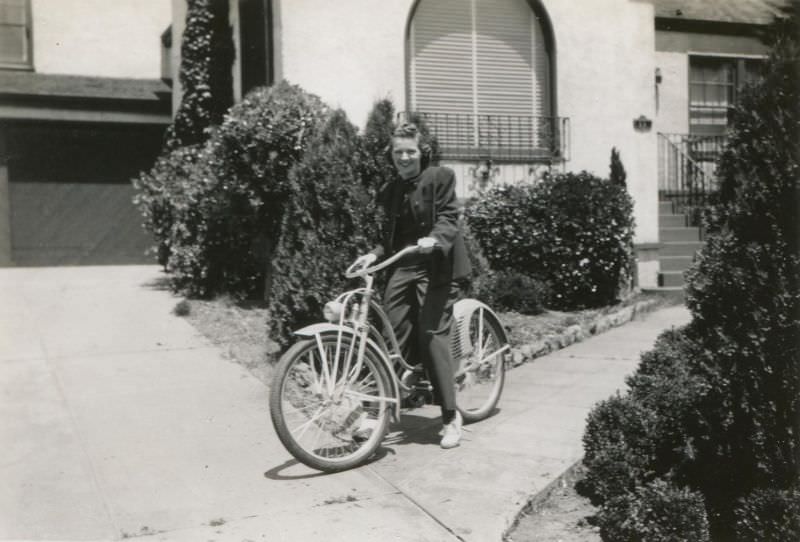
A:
[83,107]
[515,87]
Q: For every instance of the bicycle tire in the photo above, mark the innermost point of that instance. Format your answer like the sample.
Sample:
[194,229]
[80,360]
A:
[486,376]
[345,452]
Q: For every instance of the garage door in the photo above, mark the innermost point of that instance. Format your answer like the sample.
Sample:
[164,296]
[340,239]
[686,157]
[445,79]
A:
[71,196]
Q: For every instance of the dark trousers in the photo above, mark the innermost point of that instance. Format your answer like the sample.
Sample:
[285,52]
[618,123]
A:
[421,315]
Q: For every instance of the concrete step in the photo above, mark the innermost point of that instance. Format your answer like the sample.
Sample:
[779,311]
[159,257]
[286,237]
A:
[675,263]
[672,221]
[665,208]
[671,278]
[679,248]
[679,234]
[673,292]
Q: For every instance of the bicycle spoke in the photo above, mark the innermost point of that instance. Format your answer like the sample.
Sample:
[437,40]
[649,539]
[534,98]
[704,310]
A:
[370,398]
[308,423]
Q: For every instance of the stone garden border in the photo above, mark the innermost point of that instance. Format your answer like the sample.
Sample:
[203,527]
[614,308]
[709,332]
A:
[576,333]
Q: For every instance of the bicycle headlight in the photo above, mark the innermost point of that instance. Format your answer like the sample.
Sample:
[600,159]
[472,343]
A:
[332,311]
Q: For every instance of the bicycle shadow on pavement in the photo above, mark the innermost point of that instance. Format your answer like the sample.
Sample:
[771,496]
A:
[278,473]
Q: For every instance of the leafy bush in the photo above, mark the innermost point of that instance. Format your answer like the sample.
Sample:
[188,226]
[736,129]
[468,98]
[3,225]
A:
[512,291]
[572,230]
[656,512]
[232,216]
[156,190]
[331,217]
[769,515]
[207,54]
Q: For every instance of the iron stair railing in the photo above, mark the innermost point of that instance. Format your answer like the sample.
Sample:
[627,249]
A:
[687,170]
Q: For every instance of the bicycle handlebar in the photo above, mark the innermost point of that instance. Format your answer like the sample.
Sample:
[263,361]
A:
[353,273]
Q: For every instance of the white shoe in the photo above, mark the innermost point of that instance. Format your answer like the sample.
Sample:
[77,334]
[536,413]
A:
[452,432]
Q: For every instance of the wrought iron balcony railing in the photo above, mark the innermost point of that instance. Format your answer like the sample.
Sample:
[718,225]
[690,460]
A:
[504,138]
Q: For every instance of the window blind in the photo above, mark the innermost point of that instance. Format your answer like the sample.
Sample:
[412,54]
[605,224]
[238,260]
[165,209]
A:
[482,67]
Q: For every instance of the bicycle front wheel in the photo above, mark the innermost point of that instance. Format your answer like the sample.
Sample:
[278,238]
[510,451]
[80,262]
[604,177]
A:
[326,416]
[481,374]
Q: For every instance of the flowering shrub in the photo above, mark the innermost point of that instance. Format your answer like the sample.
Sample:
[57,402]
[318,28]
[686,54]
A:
[574,231]
[216,209]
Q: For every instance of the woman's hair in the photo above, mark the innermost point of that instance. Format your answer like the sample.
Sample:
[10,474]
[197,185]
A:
[410,130]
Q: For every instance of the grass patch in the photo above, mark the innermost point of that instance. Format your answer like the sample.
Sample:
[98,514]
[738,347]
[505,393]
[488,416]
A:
[239,330]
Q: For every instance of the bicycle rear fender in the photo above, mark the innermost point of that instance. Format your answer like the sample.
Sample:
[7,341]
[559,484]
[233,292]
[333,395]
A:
[463,310]
[324,328]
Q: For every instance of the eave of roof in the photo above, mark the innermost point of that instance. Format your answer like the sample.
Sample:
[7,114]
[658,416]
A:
[754,12]
[30,84]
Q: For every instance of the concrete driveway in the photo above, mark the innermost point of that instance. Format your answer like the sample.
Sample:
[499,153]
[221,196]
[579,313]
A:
[118,420]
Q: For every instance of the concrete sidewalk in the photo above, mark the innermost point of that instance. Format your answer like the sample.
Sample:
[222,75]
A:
[118,420]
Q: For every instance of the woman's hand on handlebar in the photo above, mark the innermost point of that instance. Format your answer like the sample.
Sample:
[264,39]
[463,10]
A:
[426,244]
[365,260]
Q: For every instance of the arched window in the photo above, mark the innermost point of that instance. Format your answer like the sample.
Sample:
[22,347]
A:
[480,73]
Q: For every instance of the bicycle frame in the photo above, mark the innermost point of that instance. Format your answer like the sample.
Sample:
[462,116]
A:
[353,323]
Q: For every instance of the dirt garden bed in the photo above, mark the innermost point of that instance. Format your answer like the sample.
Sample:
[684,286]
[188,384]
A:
[240,329]
[559,514]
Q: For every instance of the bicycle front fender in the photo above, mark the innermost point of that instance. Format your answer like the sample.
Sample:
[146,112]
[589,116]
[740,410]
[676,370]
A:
[325,328]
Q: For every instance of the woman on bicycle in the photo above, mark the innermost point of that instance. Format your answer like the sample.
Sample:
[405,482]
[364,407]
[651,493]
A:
[421,210]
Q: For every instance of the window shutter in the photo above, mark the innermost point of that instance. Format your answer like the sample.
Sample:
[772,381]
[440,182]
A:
[14,48]
[442,68]
[504,57]
[481,68]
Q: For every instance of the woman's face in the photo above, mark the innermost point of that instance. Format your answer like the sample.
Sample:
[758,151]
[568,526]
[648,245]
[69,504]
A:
[406,156]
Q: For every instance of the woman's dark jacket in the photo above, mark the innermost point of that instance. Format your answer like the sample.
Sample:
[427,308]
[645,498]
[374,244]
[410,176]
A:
[433,205]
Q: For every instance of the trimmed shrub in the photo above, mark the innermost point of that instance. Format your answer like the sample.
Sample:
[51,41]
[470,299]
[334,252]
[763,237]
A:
[656,512]
[665,386]
[723,394]
[330,219]
[377,138]
[512,291]
[618,448]
[744,293]
[572,230]
[207,54]
[768,515]
[617,174]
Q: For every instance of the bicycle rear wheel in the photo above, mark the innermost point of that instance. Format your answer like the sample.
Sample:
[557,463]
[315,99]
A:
[326,419]
[481,374]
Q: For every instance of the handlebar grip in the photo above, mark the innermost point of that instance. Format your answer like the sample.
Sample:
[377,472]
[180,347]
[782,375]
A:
[351,273]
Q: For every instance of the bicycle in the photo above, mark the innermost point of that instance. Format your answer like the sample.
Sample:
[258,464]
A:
[335,389]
